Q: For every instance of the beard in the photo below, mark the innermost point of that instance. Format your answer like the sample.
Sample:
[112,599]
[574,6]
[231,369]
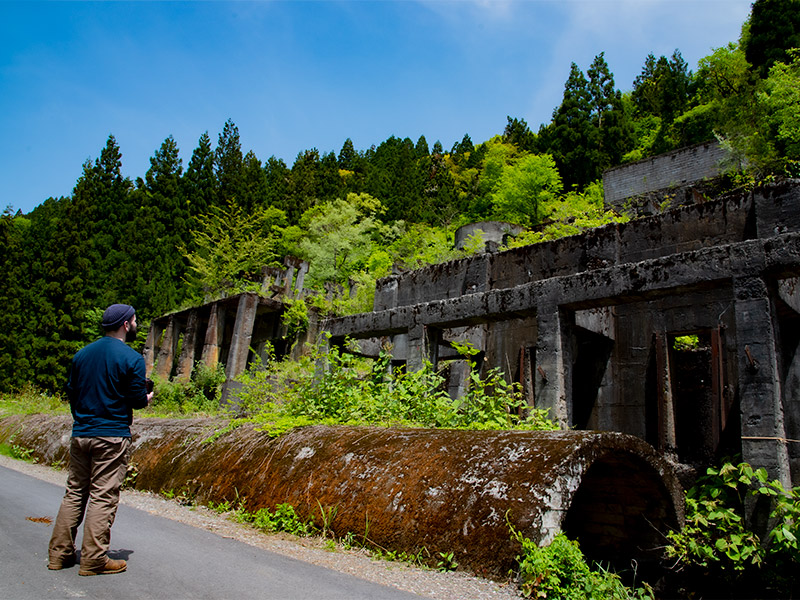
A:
[130,335]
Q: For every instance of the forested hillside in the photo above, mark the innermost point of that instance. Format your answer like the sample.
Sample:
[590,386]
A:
[185,230]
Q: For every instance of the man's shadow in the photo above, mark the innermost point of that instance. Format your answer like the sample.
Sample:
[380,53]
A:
[122,553]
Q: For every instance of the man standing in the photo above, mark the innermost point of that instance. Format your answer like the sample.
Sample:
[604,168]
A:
[106,382]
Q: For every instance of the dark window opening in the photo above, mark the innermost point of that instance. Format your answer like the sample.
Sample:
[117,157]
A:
[693,399]
[592,352]
[524,373]
[691,413]
[693,417]
[788,321]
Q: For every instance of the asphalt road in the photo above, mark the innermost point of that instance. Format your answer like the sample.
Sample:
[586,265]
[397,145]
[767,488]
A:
[166,559]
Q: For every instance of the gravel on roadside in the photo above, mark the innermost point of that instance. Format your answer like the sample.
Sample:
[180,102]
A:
[425,582]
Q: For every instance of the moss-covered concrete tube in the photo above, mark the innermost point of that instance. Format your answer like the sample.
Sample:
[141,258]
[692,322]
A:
[444,490]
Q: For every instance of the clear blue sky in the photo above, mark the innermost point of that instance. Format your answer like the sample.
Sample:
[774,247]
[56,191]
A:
[300,75]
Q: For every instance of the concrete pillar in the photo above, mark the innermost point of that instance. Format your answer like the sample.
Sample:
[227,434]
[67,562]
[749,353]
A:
[186,359]
[214,333]
[287,282]
[550,376]
[242,334]
[301,275]
[667,439]
[763,431]
[150,348]
[240,344]
[422,345]
[166,352]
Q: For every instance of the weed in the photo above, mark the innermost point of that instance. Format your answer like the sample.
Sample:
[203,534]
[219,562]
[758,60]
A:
[348,542]
[328,515]
[221,507]
[283,518]
[16,451]
[131,473]
[446,562]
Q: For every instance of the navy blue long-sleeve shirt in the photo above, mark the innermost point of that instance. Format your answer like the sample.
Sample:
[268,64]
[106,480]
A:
[106,382]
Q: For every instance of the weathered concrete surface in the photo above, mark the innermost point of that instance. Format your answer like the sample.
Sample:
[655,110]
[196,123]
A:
[445,490]
[675,171]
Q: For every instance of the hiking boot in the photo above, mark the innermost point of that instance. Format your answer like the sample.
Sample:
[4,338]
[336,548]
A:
[64,562]
[112,566]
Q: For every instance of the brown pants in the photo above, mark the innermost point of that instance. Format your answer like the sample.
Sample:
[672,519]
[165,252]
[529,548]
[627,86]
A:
[97,468]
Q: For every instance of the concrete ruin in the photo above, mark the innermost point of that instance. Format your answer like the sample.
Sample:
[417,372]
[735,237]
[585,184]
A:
[592,326]
[227,330]
[589,326]
[680,331]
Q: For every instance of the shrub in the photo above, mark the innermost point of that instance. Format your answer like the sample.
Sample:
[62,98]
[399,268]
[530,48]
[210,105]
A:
[200,395]
[560,571]
[717,540]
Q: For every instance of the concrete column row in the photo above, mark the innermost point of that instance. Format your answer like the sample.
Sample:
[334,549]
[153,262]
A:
[163,338]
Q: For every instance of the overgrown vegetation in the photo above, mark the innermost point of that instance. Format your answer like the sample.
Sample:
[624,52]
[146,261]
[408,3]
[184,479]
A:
[721,550]
[31,400]
[334,387]
[15,451]
[284,519]
[198,396]
[559,571]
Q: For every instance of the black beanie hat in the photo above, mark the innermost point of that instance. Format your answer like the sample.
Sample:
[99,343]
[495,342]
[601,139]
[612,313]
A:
[116,314]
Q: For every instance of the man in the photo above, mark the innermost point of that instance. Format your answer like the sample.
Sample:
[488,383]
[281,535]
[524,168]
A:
[106,382]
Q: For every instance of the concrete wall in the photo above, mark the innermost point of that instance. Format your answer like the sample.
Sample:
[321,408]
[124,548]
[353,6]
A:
[673,171]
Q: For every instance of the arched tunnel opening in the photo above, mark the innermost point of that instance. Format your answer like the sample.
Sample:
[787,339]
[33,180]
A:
[620,514]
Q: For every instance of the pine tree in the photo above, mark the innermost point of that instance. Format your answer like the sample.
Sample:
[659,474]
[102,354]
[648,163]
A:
[200,182]
[279,182]
[15,341]
[254,182]
[518,133]
[614,130]
[330,182]
[155,269]
[229,163]
[396,180]
[421,148]
[572,139]
[305,185]
[347,156]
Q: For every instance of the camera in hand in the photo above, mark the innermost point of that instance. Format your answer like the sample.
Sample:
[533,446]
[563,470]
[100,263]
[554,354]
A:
[148,383]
